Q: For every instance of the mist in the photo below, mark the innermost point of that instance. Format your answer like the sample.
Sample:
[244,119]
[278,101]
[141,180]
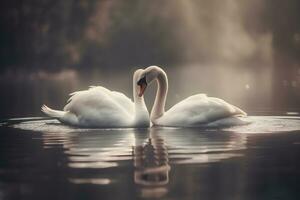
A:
[245,52]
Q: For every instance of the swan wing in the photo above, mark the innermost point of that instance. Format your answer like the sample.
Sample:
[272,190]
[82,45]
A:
[198,109]
[119,97]
[124,101]
[99,106]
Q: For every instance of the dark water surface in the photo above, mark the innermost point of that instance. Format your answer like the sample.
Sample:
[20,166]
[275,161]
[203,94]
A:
[42,159]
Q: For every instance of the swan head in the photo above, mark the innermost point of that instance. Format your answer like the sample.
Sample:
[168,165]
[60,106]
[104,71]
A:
[140,83]
[147,77]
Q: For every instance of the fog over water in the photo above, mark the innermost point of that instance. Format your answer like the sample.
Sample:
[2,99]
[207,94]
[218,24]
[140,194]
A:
[244,52]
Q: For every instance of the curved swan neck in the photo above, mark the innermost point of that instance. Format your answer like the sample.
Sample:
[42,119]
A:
[161,95]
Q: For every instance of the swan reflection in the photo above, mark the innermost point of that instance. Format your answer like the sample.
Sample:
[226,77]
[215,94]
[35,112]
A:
[148,163]
[151,162]
[191,146]
[150,151]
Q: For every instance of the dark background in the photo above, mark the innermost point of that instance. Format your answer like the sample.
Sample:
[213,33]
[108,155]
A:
[246,52]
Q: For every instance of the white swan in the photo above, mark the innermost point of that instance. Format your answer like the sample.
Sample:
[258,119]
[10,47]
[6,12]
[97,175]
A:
[102,108]
[194,111]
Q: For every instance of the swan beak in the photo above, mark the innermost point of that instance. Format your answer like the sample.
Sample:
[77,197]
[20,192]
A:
[142,89]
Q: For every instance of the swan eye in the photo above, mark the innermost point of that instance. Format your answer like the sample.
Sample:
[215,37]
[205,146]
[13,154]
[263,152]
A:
[142,81]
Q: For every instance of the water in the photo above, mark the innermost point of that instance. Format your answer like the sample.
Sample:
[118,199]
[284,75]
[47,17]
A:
[43,159]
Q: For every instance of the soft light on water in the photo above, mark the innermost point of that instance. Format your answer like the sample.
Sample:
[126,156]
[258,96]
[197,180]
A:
[49,160]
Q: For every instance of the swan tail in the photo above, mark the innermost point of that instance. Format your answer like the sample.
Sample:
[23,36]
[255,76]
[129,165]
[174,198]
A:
[239,112]
[52,113]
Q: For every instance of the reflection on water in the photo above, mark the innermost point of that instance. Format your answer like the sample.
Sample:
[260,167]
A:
[192,146]
[173,163]
[150,151]
[105,148]
[97,181]
[89,152]
[151,164]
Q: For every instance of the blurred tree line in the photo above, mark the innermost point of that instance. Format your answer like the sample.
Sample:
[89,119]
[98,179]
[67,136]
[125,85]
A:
[54,34]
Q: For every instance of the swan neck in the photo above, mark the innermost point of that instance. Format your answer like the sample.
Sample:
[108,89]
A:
[161,95]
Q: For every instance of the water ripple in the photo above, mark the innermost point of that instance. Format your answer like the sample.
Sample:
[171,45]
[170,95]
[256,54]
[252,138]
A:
[155,147]
[145,156]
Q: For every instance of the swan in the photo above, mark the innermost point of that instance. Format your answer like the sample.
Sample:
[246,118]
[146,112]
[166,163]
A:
[99,107]
[195,111]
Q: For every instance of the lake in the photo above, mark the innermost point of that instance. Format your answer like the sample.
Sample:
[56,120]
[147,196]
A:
[244,52]
[43,159]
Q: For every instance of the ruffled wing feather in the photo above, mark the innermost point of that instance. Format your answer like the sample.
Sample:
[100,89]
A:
[98,105]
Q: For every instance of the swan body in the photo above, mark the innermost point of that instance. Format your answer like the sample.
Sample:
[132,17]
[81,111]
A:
[103,108]
[195,111]
[199,110]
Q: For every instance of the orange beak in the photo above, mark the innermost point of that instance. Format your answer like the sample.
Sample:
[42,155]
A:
[142,89]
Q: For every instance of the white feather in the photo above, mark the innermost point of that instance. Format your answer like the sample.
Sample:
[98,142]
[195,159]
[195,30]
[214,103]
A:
[100,107]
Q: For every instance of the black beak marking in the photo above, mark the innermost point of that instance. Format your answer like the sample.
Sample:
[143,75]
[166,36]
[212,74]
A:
[142,81]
